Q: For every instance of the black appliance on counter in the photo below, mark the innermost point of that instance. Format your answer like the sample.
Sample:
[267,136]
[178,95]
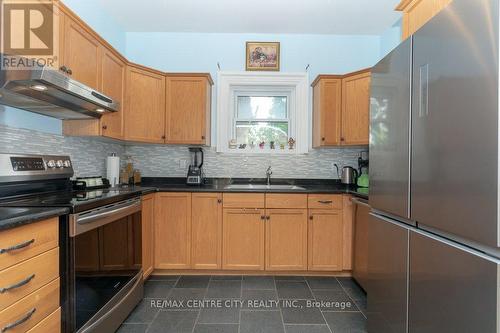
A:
[195,172]
[100,239]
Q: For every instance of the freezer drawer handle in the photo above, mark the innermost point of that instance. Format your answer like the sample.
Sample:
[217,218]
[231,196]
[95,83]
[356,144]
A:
[24,319]
[18,284]
[17,247]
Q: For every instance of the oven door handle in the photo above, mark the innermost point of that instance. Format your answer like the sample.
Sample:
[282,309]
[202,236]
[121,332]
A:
[80,224]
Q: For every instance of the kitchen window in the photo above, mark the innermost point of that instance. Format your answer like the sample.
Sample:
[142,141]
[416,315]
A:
[258,113]
[262,117]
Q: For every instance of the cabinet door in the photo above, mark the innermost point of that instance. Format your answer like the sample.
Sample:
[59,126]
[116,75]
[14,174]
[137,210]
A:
[327,112]
[113,73]
[147,220]
[356,109]
[325,240]
[286,239]
[145,111]
[81,53]
[206,224]
[188,110]
[172,231]
[243,239]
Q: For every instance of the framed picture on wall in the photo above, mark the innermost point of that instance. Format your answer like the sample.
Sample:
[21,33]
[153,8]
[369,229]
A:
[263,56]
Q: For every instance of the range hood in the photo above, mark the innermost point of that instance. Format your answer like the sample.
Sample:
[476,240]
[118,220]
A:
[47,91]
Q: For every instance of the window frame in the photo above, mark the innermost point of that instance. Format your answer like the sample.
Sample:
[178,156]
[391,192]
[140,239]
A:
[271,92]
[294,85]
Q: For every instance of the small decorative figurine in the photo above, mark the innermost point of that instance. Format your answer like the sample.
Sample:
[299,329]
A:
[233,144]
[252,145]
[262,144]
[242,146]
[282,146]
[271,145]
[291,143]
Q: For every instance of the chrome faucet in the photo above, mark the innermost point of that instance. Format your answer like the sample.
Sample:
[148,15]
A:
[268,175]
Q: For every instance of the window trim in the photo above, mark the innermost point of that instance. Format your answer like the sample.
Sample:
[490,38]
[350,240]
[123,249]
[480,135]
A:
[294,85]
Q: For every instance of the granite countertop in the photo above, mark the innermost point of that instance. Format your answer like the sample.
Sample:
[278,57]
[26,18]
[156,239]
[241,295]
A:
[11,217]
[219,185]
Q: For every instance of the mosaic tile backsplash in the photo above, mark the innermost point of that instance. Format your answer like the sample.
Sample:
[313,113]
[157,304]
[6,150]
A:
[165,161]
[89,157]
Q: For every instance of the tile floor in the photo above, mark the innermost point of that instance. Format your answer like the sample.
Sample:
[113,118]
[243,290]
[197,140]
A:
[249,304]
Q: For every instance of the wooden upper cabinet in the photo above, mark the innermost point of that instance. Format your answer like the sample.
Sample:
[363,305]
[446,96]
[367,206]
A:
[341,109]
[418,12]
[356,109]
[145,106]
[243,239]
[172,231]
[188,108]
[327,104]
[112,83]
[286,239]
[81,53]
[206,231]
[325,240]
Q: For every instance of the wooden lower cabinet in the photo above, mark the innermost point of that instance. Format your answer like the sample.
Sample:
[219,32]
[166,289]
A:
[51,324]
[147,218]
[206,229]
[325,243]
[286,239]
[243,239]
[172,231]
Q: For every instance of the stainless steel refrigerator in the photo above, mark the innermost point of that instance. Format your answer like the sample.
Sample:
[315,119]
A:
[434,234]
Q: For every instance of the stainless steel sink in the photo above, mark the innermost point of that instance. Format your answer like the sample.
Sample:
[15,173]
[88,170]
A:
[263,187]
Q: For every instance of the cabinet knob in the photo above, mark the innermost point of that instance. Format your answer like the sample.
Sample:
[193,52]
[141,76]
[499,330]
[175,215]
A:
[322,139]
[104,127]
[342,139]
[219,200]
[163,137]
[310,217]
[262,217]
[203,137]
[63,69]
[69,71]
[268,218]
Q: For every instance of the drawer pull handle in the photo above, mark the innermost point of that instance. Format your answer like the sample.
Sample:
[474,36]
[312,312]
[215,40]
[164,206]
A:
[17,247]
[325,201]
[17,285]
[24,319]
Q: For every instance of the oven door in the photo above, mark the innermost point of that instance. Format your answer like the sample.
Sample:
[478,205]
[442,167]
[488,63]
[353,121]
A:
[105,275]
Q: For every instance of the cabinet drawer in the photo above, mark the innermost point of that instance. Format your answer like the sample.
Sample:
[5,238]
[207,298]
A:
[243,200]
[325,201]
[50,324]
[25,242]
[24,278]
[30,310]
[293,201]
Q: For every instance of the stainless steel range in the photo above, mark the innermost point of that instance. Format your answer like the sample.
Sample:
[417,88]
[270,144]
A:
[100,239]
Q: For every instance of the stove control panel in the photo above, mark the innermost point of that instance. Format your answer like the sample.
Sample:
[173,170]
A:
[26,167]
[27,163]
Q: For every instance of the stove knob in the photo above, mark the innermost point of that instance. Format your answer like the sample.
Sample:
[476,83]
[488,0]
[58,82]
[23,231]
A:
[51,164]
[67,164]
[59,164]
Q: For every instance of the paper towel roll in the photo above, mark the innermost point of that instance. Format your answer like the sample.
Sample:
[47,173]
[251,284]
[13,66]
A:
[113,170]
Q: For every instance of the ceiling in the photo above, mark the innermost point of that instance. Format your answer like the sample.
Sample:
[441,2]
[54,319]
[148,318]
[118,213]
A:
[351,17]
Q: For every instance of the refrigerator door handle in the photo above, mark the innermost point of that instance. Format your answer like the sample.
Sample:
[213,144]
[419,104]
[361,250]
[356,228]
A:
[423,110]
